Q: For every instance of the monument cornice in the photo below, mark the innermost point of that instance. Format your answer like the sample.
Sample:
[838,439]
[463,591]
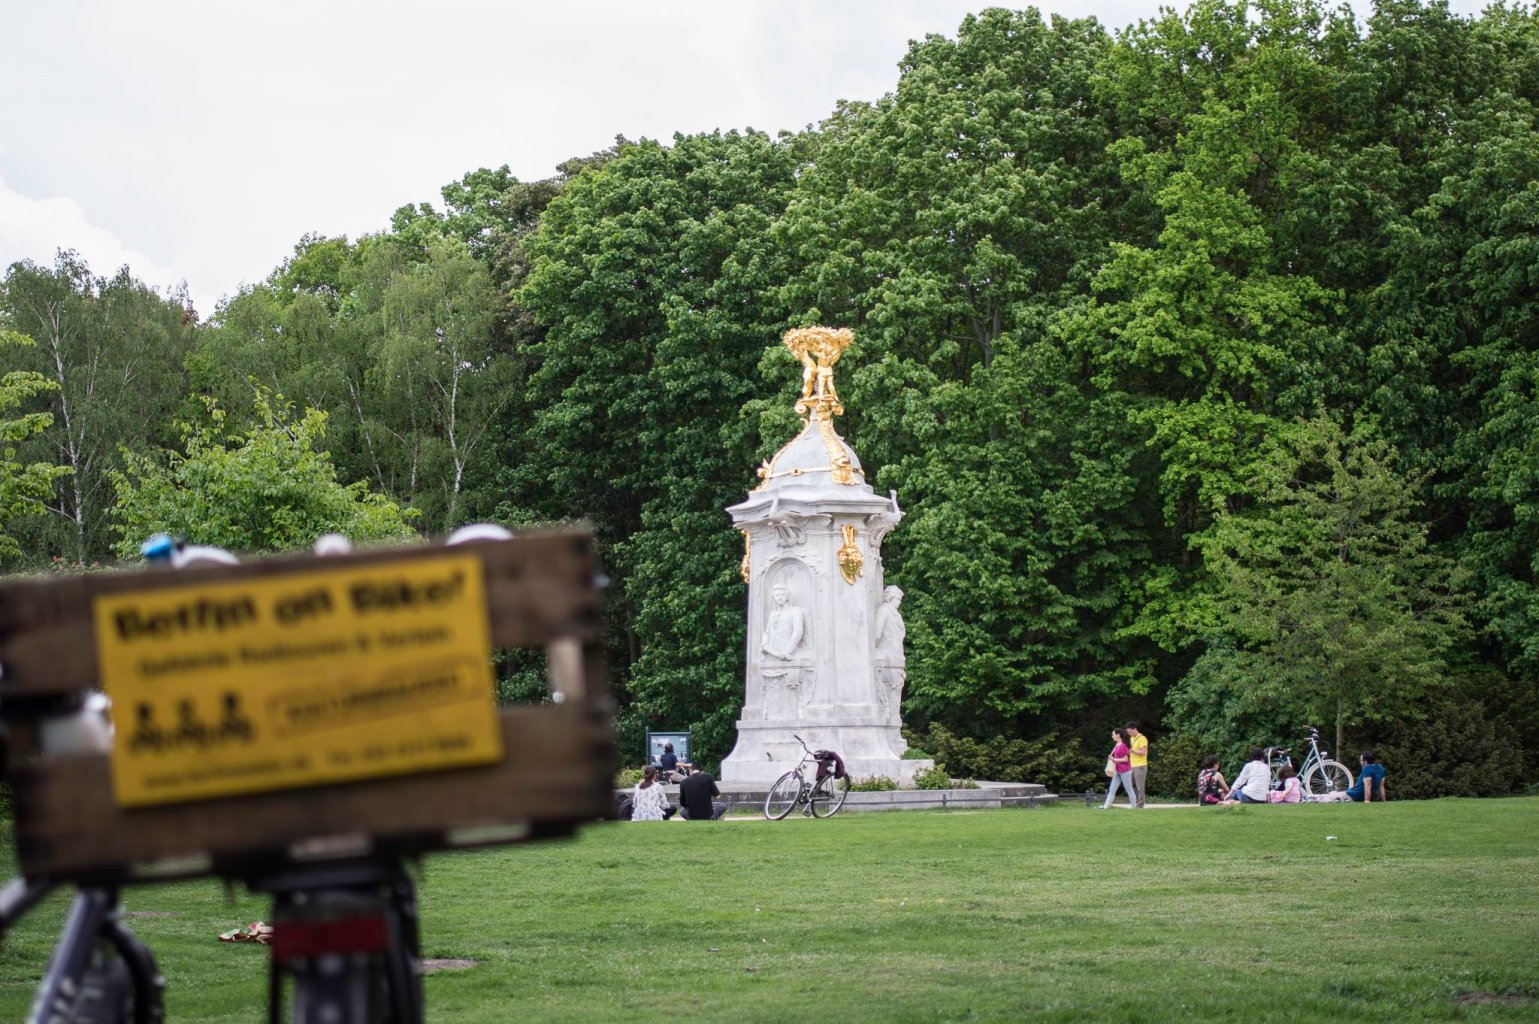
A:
[811,503]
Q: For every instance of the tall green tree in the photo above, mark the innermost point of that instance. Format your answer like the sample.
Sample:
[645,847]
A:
[439,351]
[23,488]
[1209,337]
[1334,608]
[950,224]
[647,282]
[113,349]
[269,487]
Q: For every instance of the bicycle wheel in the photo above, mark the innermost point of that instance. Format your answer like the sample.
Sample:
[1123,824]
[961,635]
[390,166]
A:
[828,795]
[783,796]
[1327,777]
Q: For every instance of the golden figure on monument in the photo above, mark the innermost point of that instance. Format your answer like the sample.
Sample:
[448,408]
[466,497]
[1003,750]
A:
[819,348]
[850,560]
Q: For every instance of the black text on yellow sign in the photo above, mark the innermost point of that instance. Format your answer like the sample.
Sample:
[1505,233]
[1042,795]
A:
[298,680]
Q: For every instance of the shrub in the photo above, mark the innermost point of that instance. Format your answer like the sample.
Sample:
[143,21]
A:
[626,778]
[873,784]
[915,754]
[1458,749]
[932,778]
[1173,764]
[1059,764]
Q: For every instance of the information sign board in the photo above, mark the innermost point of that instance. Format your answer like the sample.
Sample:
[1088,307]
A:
[303,678]
[657,740]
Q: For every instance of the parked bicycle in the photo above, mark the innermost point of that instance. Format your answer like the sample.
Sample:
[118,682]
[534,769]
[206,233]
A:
[100,973]
[1319,774]
[348,948]
[822,797]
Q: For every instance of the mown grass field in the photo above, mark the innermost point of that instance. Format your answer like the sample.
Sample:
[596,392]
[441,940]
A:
[1416,911]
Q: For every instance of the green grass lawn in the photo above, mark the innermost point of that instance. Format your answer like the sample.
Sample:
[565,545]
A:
[1416,911]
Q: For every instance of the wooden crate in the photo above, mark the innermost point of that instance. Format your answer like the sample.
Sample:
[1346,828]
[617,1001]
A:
[556,770]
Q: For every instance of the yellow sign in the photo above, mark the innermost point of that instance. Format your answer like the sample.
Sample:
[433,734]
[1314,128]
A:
[307,678]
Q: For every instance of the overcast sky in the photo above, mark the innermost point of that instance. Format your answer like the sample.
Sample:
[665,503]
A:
[197,140]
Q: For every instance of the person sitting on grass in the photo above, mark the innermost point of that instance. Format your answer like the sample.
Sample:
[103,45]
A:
[1251,785]
[1288,790]
[696,796]
[649,803]
[1368,787]
[1211,787]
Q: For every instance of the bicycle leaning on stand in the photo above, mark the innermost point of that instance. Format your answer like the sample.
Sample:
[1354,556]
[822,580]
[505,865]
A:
[1319,775]
[822,797]
[345,943]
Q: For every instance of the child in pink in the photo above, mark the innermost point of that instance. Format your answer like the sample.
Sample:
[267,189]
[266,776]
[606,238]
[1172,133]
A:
[1289,791]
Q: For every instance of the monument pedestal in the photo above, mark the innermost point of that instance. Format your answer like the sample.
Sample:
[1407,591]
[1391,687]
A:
[767,749]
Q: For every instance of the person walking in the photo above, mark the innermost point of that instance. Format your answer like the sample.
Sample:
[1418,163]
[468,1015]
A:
[1138,758]
[1121,773]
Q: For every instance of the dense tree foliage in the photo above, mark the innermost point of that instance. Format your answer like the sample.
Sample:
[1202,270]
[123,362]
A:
[113,350]
[1202,355]
[266,488]
[650,280]
[23,488]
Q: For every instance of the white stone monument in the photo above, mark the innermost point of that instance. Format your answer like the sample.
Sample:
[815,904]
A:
[825,643]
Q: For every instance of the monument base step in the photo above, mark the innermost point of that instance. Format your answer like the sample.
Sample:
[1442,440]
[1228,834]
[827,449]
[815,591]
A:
[745,797]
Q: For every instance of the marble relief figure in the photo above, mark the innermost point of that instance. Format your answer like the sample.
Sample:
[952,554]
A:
[891,665]
[785,629]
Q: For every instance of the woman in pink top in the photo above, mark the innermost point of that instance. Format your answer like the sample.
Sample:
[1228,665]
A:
[1122,769]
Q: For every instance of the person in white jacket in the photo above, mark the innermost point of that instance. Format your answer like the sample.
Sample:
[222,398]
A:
[1251,785]
[649,803]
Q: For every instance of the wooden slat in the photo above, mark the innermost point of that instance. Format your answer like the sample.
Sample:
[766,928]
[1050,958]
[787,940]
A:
[539,588]
[558,769]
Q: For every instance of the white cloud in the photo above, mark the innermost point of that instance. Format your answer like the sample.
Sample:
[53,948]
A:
[201,140]
[36,228]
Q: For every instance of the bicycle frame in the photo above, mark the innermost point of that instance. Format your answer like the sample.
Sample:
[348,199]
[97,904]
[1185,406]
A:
[1315,757]
[806,792]
[96,963]
[347,935]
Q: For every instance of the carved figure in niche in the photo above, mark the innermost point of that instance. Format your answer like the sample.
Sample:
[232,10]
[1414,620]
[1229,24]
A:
[784,630]
[891,665]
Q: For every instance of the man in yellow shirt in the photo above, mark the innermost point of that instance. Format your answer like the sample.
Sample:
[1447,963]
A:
[1139,744]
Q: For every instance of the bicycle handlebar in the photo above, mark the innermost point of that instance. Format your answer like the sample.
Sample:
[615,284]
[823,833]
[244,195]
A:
[813,753]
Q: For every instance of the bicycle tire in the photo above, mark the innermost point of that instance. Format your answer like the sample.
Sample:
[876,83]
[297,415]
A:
[1327,777]
[783,795]
[828,796]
